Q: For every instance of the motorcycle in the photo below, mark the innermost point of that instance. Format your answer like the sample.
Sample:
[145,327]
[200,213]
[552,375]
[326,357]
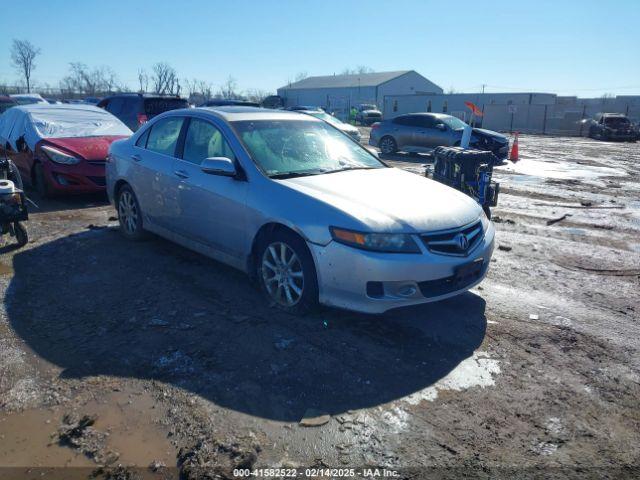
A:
[13,203]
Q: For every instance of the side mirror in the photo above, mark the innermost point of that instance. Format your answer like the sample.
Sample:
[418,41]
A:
[222,166]
[441,126]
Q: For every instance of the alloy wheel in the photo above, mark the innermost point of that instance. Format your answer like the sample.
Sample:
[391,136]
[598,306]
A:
[282,274]
[128,212]
[387,145]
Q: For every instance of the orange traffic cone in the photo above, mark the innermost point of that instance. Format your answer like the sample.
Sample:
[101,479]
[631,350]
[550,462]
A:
[513,156]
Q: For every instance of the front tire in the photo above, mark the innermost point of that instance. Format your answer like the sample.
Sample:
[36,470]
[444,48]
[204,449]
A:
[129,214]
[40,180]
[388,145]
[286,272]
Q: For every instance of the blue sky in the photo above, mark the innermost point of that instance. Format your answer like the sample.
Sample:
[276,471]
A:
[583,47]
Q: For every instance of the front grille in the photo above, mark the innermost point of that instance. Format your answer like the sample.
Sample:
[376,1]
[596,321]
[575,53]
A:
[459,241]
[443,286]
[98,163]
[100,181]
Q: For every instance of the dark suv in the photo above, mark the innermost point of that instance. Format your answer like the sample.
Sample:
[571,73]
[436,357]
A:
[613,126]
[135,109]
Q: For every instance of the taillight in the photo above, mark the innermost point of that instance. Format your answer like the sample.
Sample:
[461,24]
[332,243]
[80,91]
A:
[375,125]
[142,119]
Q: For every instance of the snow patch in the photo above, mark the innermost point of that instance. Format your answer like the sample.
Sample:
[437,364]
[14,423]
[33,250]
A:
[475,371]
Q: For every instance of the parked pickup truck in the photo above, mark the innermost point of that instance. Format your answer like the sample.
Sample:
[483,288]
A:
[368,114]
[613,126]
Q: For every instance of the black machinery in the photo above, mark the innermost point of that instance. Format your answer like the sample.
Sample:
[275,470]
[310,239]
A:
[469,171]
[13,206]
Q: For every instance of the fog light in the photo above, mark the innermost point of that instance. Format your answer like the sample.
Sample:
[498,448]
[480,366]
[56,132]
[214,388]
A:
[375,289]
[407,290]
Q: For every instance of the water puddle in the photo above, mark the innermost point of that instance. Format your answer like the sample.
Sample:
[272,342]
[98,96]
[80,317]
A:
[476,371]
[130,420]
[6,269]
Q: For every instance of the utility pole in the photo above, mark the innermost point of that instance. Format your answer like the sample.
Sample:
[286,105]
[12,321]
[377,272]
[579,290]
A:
[483,85]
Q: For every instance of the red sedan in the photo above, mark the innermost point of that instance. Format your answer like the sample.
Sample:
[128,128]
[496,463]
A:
[60,148]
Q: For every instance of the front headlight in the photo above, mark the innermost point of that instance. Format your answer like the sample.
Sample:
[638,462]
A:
[60,157]
[377,242]
[485,222]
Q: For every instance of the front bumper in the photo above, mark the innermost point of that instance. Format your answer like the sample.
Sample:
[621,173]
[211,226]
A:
[408,279]
[85,177]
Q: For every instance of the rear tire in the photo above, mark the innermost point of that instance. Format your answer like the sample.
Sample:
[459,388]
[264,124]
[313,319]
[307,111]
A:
[388,145]
[129,214]
[286,272]
[22,236]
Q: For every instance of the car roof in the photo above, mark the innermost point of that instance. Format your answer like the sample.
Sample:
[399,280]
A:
[239,113]
[142,95]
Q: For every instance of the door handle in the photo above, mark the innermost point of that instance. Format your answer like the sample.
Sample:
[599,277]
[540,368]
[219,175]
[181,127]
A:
[135,157]
[181,173]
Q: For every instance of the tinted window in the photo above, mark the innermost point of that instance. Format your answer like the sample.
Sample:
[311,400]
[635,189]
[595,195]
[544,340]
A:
[426,121]
[115,105]
[156,106]
[407,120]
[203,140]
[130,106]
[164,135]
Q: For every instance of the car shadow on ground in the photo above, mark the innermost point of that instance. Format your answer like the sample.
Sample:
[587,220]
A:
[58,203]
[95,304]
[407,157]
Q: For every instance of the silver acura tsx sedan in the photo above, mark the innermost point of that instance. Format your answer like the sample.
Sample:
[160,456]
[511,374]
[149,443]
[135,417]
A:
[300,206]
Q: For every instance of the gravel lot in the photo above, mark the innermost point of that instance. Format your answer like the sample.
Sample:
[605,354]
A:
[136,354]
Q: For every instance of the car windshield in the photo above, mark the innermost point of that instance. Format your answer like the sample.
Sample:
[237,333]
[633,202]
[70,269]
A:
[290,148]
[368,107]
[453,123]
[616,121]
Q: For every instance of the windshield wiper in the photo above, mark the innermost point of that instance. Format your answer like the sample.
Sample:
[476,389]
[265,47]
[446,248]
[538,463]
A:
[301,173]
[307,173]
[349,168]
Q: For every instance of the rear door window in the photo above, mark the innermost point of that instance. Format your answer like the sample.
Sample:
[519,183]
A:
[142,141]
[164,136]
[156,106]
[408,121]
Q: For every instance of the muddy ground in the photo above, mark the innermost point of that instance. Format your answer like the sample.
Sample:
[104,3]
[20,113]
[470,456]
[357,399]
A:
[116,355]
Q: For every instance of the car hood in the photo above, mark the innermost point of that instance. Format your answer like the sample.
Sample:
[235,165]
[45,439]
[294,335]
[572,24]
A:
[369,112]
[89,148]
[345,127]
[491,133]
[388,200]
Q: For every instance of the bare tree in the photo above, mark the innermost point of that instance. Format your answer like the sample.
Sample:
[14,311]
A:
[256,95]
[165,79]
[143,80]
[198,91]
[82,79]
[359,70]
[23,55]
[451,90]
[298,77]
[229,88]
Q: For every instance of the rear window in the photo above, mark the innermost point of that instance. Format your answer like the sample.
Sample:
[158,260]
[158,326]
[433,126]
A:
[616,121]
[156,106]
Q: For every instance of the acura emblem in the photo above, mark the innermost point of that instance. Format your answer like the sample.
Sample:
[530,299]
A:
[461,241]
